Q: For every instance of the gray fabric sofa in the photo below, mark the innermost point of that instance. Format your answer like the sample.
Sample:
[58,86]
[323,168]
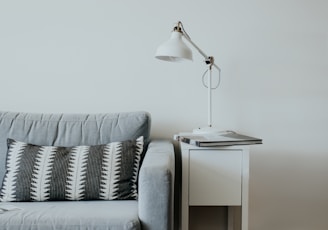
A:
[153,208]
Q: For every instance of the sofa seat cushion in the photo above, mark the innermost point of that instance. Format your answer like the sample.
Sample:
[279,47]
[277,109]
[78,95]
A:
[81,215]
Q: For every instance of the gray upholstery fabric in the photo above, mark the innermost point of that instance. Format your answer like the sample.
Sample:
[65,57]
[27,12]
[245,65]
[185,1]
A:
[152,211]
[156,187]
[72,215]
[70,129]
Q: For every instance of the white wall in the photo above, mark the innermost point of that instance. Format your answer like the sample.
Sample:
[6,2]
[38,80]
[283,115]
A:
[98,56]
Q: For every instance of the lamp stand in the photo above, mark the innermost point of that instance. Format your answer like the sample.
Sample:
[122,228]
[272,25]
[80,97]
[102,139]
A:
[209,96]
[209,129]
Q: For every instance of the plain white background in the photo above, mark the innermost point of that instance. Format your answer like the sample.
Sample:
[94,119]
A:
[98,56]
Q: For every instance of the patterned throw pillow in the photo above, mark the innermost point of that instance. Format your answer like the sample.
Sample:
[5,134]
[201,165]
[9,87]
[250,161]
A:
[48,173]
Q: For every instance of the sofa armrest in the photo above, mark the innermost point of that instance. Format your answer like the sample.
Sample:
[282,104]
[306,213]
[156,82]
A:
[156,187]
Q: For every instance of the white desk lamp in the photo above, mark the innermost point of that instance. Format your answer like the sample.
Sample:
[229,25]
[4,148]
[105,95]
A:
[176,50]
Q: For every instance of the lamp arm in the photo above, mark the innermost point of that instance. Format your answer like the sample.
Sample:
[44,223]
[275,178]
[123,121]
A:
[210,62]
[199,50]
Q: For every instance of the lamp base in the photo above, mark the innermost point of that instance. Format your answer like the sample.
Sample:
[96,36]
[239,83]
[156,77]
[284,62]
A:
[209,130]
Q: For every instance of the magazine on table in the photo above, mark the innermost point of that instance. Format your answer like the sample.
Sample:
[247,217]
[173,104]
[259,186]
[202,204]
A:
[226,138]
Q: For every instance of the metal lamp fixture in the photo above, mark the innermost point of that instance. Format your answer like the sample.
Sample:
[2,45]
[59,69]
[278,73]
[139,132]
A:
[176,50]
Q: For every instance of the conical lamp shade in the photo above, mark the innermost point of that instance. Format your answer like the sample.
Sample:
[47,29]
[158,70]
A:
[174,49]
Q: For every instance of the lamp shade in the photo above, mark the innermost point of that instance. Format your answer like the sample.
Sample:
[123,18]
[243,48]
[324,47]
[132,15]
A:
[174,49]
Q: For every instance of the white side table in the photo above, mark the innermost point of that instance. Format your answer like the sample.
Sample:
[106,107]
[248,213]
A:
[216,176]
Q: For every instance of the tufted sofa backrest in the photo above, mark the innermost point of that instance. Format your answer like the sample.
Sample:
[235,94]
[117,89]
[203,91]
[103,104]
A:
[70,129]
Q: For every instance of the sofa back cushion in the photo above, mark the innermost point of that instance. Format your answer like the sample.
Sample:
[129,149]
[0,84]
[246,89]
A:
[69,130]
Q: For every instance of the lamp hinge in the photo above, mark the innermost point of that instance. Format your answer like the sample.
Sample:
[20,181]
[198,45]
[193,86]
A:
[209,61]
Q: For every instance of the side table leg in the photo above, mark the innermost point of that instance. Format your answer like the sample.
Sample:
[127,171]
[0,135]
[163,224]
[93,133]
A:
[234,218]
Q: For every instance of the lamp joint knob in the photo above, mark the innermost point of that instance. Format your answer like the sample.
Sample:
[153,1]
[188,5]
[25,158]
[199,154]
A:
[209,61]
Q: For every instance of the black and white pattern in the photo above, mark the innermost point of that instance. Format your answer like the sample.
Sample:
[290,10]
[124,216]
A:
[100,172]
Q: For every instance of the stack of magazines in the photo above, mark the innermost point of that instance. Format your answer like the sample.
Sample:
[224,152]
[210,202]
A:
[227,138]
